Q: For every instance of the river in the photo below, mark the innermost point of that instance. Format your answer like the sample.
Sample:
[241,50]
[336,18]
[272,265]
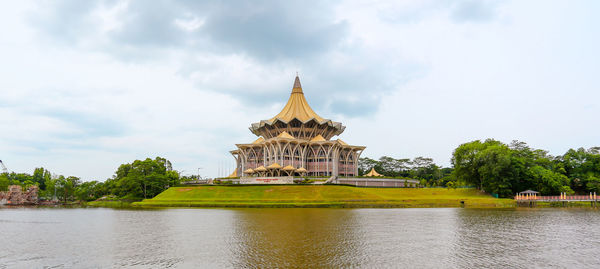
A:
[299,238]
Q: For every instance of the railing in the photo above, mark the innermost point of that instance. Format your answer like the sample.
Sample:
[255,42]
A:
[196,182]
[559,198]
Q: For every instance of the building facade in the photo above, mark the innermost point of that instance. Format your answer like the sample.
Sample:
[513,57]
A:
[297,142]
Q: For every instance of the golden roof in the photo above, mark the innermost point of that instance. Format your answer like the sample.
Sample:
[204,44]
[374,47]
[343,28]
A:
[297,107]
[249,171]
[274,166]
[318,138]
[257,141]
[260,169]
[342,142]
[301,170]
[373,173]
[285,134]
[289,168]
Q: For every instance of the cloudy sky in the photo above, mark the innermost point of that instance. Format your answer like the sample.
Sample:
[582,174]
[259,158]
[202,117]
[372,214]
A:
[86,86]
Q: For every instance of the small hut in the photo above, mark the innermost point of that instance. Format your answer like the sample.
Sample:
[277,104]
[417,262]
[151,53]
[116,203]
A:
[373,173]
[528,194]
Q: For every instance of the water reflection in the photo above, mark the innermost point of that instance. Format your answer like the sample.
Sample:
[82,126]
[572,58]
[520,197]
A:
[524,238]
[295,237]
[299,238]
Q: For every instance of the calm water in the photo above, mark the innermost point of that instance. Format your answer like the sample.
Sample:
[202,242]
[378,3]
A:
[299,238]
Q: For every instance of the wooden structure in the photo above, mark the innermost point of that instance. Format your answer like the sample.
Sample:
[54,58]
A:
[297,142]
[530,198]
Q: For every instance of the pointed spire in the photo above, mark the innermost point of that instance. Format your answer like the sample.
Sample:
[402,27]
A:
[297,87]
[297,107]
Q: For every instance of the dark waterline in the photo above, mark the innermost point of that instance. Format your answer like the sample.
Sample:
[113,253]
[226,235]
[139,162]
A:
[299,238]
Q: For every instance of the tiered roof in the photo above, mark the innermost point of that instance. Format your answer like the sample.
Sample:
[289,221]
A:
[297,108]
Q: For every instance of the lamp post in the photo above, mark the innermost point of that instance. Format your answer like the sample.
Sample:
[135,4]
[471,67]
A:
[199,177]
[179,177]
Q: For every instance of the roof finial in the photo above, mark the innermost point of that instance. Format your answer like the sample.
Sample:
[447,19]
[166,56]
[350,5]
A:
[297,87]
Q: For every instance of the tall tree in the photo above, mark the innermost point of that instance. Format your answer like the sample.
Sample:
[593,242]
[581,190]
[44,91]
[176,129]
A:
[365,164]
[4,182]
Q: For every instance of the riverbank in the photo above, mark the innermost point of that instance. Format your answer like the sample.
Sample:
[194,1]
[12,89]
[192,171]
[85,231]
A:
[333,196]
[111,204]
[112,201]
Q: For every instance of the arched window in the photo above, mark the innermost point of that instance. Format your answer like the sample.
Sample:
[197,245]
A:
[341,158]
[310,161]
[297,158]
[321,162]
[321,153]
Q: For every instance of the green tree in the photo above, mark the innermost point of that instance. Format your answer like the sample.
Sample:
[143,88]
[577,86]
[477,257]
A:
[144,178]
[466,162]
[366,164]
[506,169]
[425,168]
[496,170]
[549,182]
[27,184]
[593,184]
[4,182]
[581,166]
[89,191]
[40,176]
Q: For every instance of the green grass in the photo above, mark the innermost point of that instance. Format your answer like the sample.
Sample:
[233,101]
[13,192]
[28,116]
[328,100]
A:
[320,196]
[114,204]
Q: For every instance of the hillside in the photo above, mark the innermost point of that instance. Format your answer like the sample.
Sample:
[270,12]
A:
[320,196]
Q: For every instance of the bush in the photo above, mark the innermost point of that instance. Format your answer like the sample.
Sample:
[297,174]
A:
[567,190]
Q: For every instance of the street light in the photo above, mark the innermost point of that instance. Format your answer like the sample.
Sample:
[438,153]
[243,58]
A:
[199,177]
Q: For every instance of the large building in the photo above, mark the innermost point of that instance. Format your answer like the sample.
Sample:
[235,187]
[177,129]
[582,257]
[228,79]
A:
[297,142]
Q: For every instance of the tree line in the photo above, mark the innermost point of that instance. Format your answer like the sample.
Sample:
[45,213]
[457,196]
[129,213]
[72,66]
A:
[137,180]
[506,169]
[421,168]
[490,165]
[499,168]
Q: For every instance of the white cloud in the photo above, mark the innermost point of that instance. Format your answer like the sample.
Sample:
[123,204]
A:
[88,86]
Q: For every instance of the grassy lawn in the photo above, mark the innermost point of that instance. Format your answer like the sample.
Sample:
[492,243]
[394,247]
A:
[320,196]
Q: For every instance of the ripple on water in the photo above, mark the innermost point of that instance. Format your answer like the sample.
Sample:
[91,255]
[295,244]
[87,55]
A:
[329,238]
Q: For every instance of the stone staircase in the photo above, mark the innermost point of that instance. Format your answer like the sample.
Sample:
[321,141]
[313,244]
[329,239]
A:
[330,180]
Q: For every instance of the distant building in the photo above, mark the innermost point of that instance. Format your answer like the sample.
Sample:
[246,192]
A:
[297,142]
[373,173]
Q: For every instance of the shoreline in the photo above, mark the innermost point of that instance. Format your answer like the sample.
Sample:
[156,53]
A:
[311,196]
[309,205]
[272,205]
